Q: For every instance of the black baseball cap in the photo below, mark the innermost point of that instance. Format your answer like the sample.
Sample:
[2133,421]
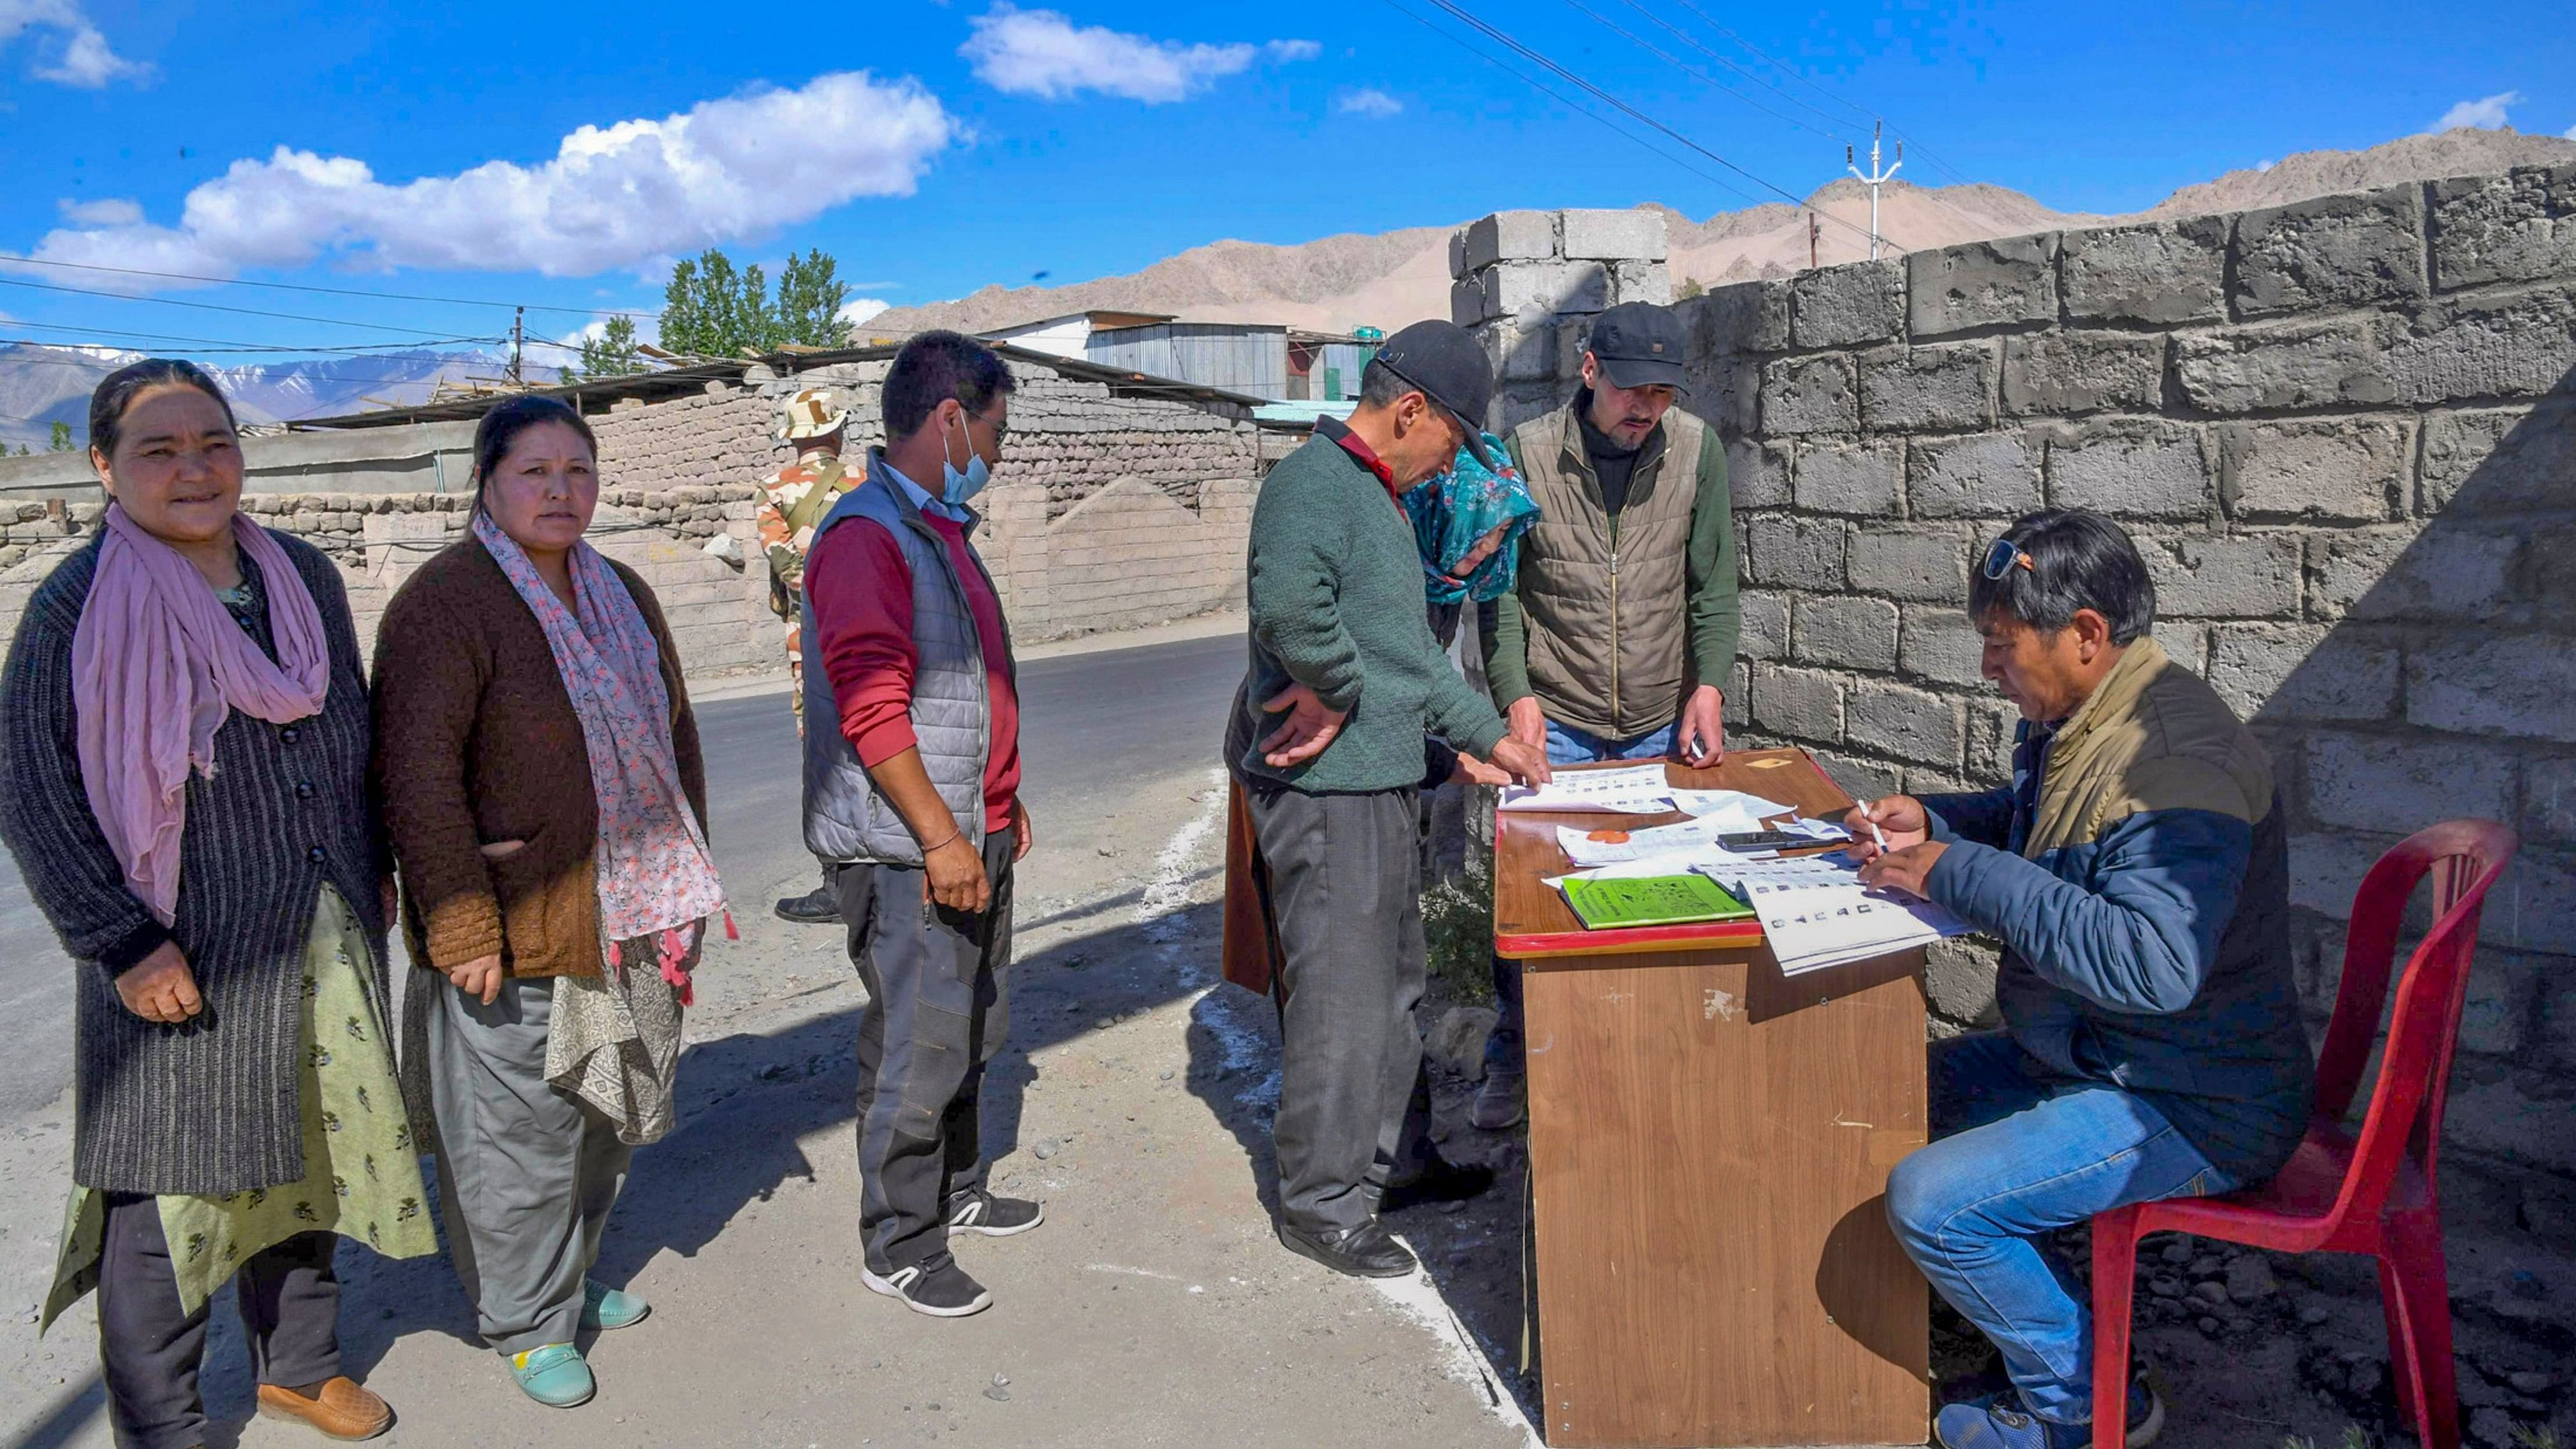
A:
[1638,344]
[1449,367]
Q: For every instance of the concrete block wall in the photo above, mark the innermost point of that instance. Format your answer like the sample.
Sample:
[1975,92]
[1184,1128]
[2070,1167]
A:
[2343,432]
[1527,284]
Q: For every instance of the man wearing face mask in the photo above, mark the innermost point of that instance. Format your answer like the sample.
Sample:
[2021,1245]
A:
[914,798]
[1618,637]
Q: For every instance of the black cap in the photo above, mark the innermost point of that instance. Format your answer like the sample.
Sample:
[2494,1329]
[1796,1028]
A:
[1638,344]
[1449,367]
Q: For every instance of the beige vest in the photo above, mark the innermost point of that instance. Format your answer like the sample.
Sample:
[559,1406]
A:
[1608,616]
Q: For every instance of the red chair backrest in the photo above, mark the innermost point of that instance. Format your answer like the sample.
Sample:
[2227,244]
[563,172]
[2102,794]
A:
[2464,858]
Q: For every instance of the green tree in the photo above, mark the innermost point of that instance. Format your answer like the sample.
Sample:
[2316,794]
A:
[711,308]
[62,439]
[610,354]
[810,297]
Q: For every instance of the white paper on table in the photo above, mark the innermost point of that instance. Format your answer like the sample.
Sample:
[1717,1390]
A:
[1678,863]
[1639,790]
[1742,812]
[1696,839]
[1815,912]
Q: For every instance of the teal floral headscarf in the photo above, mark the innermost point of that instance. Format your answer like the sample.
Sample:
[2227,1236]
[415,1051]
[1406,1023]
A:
[1456,512]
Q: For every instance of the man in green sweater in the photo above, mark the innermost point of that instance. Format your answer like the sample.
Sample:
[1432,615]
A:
[1327,741]
[1617,641]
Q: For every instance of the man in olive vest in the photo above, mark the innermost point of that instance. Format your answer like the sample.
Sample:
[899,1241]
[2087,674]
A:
[792,501]
[1616,642]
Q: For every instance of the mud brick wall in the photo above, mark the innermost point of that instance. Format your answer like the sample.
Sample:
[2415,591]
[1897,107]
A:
[2344,434]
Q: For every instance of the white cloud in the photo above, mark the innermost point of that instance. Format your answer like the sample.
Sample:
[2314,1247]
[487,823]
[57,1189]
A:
[618,196]
[86,60]
[1042,53]
[106,211]
[2265,164]
[856,311]
[1370,102]
[2571,133]
[2486,113]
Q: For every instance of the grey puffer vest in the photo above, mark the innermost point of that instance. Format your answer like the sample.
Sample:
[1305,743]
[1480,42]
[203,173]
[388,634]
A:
[846,819]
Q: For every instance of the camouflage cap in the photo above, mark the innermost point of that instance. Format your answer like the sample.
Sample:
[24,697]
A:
[811,414]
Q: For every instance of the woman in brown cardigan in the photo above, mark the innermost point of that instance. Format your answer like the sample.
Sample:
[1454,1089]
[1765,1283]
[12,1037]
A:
[543,787]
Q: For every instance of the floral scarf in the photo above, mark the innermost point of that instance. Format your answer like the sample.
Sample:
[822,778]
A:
[1453,512]
[614,1041]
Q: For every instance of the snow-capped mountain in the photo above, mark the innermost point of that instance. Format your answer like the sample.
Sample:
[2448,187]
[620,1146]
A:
[40,386]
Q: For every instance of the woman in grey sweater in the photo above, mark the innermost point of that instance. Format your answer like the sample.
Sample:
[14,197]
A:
[183,770]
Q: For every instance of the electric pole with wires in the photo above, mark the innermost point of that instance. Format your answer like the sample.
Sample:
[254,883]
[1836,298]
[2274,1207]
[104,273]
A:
[519,326]
[1876,178]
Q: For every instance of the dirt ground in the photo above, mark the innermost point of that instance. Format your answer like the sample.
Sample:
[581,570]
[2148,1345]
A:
[1154,1308]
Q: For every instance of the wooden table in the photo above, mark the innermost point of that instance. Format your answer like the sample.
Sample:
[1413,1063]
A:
[1709,1146]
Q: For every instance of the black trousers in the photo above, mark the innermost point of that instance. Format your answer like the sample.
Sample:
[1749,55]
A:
[938,1010]
[149,1348]
[1344,878]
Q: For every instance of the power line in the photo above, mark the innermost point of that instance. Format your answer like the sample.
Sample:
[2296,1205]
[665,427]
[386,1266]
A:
[1686,68]
[1571,104]
[1794,74]
[22,261]
[219,344]
[212,307]
[1468,17]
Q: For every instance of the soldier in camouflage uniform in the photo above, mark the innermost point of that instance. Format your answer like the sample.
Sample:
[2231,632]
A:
[792,501]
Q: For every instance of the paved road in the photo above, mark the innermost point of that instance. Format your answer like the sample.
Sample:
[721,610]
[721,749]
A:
[1098,727]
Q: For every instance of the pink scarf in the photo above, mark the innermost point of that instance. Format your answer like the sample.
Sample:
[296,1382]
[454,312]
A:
[157,665]
[656,878]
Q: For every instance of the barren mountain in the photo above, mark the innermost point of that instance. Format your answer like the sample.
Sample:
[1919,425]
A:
[1386,280]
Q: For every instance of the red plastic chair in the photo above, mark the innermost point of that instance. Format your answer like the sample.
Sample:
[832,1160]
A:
[2341,1194]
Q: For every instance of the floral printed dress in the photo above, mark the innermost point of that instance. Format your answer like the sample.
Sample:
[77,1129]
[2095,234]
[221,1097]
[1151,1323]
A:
[362,1170]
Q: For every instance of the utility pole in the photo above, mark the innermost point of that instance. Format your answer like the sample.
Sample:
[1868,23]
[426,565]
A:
[519,327]
[1876,178]
[1813,227]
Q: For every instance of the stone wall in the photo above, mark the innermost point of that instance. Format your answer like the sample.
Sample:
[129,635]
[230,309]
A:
[1068,435]
[1527,283]
[2344,434]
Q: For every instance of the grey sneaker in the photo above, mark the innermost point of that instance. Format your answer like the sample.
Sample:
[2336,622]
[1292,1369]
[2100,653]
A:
[1499,1101]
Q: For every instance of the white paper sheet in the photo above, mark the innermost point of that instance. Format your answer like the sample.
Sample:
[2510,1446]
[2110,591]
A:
[1746,812]
[1639,790]
[1815,912]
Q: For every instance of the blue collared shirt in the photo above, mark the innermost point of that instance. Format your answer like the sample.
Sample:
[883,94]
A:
[922,498]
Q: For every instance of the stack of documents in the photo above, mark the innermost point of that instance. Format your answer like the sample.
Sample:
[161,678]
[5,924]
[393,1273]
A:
[1637,791]
[1815,912]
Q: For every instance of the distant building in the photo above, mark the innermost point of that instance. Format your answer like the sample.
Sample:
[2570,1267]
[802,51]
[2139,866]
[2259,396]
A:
[1263,360]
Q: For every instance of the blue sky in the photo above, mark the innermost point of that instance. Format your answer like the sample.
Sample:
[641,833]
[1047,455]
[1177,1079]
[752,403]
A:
[935,148]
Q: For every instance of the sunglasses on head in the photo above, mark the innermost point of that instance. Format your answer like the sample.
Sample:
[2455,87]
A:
[2002,555]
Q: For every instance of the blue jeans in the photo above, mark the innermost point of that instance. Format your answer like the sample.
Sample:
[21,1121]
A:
[1565,746]
[2017,1156]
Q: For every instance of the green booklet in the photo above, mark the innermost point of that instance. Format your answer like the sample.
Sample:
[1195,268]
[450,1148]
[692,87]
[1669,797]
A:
[1660,900]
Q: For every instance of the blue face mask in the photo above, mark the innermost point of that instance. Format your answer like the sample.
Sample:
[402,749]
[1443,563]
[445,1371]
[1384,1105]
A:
[957,486]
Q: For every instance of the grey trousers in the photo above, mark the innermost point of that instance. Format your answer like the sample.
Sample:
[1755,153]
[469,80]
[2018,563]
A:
[149,1348]
[938,1010]
[1345,883]
[526,1173]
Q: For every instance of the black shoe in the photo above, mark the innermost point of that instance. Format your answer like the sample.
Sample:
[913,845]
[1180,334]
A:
[817,907]
[1438,1180]
[1362,1252]
[978,1211]
[938,1287]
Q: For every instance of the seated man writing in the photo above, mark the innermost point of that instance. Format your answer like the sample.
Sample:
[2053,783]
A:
[2136,875]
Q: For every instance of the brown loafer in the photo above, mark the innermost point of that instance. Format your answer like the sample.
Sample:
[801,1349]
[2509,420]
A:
[343,1410]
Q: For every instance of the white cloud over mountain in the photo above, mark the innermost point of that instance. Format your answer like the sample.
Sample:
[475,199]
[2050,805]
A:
[2487,113]
[615,196]
[1043,53]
